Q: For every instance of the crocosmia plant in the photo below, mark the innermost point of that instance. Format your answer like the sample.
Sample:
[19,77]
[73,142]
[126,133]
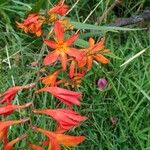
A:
[67,63]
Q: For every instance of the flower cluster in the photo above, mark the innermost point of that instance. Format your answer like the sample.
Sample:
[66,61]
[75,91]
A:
[75,62]
[7,109]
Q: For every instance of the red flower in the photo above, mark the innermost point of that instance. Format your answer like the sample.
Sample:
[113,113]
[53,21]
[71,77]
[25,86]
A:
[66,118]
[35,147]
[56,139]
[66,96]
[9,95]
[59,8]
[5,124]
[62,47]
[93,52]
[8,109]
[32,24]
[9,146]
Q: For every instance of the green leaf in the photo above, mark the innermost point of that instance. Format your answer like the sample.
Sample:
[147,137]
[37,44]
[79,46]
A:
[79,25]
[4,1]
[38,5]
[92,34]
[5,17]
[81,43]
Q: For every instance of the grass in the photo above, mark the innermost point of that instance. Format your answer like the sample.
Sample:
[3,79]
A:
[126,98]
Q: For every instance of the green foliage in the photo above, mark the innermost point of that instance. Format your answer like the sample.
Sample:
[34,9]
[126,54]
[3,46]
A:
[38,5]
[126,97]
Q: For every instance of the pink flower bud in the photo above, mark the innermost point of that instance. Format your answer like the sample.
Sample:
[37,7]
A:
[113,120]
[102,82]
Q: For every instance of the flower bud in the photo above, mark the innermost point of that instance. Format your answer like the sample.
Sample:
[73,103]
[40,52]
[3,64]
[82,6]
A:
[102,82]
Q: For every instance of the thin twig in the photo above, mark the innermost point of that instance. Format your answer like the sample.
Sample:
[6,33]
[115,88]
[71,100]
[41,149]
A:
[135,56]
[72,7]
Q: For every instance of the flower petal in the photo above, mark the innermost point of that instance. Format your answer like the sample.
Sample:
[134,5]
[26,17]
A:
[33,24]
[75,53]
[91,42]
[62,139]
[62,91]
[66,96]
[5,124]
[69,99]
[51,44]
[72,69]
[68,140]
[8,109]
[59,32]
[9,94]
[99,46]
[9,146]
[82,62]
[35,147]
[63,59]
[100,58]
[54,145]
[50,79]
[3,134]
[72,39]
[89,62]
[59,8]
[51,58]
[69,104]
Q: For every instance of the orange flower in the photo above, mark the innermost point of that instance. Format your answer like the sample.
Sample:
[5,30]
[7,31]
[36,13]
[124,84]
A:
[32,24]
[75,81]
[5,124]
[57,139]
[3,136]
[3,133]
[66,24]
[94,53]
[9,146]
[35,147]
[50,80]
[66,96]
[9,95]
[8,109]
[75,75]
[59,8]
[62,47]
[72,68]
[66,119]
